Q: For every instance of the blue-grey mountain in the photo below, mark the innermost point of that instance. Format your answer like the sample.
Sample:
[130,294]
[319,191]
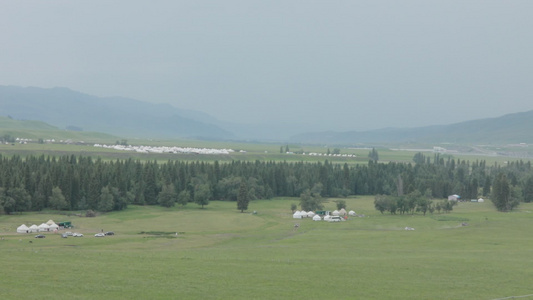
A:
[68,109]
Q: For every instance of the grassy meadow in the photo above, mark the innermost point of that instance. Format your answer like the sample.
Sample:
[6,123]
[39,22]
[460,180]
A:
[251,152]
[220,253]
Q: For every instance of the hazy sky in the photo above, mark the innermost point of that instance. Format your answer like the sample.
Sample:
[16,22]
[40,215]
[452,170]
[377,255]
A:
[345,65]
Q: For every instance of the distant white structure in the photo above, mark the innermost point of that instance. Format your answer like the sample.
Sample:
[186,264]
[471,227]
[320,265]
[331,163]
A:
[34,228]
[352,213]
[480,200]
[439,150]
[165,149]
[317,218]
[297,215]
[44,227]
[23,229]
[454,198]
[53,227]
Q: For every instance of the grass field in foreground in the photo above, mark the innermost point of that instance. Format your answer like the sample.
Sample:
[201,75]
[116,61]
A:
[220,253]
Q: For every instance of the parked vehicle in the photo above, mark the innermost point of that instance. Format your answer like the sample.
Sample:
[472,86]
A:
[40,236]
[110,233]
[335,219]
[68,233]
[99,234]
[76,234]
[64,235]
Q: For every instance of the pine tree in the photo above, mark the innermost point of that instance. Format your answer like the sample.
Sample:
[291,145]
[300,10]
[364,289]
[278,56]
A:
[57,200]
[528,190]
[243,198]
[167,197]
[106,202]
[202,194]
[502,194]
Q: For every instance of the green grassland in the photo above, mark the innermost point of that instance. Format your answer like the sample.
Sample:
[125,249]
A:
[219,253]
[252,152]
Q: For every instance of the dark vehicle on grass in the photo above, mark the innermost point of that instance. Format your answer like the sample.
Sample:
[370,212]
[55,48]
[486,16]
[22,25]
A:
[40,236]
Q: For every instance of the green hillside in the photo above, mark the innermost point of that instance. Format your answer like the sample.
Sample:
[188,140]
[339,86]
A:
[36,130]
[508,129]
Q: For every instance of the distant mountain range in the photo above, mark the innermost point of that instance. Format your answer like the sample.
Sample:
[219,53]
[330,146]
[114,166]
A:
[512,128]
[68,109]
[75,111]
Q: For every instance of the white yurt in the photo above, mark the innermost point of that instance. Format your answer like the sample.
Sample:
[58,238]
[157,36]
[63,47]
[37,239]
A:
[44,227]
[303,213]
[34,228]
[50,222]
[23,229]
[335,213]
[480,200]
[352,213]
[342,212]
[317,218]
[311,214]
[297,215]
[53,226]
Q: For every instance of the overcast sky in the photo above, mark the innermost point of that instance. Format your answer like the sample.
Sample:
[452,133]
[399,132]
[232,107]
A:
[345,65]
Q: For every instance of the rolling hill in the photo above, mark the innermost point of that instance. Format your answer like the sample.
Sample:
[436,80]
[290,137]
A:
[36,130]
[130,118]
[508,129]
[65,108]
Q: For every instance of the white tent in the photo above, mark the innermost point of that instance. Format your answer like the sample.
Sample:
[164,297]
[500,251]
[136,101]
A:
[303,213]
[335,213]
[480,200]
[23,229]
[311,214]
[352,213]
[297,215]
[50,222]
[317,218]
[44,227]
[342,212]
[53,226]
[34,228]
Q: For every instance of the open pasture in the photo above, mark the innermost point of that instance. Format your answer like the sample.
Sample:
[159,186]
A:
[251,152]
[219,253]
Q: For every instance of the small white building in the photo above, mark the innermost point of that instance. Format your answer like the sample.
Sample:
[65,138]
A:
[34,228]
[317,218]
[44,227]
[23,229]
[454,198]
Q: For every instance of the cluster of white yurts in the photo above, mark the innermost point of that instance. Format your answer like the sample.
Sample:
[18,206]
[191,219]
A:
[164,149]
[44,227]
[316,217]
